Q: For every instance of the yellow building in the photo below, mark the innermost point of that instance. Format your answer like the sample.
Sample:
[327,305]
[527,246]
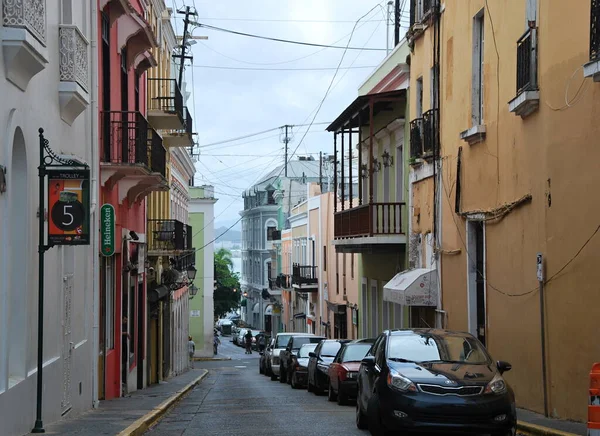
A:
[518,155]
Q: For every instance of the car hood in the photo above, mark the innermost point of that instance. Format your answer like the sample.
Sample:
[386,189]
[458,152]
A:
[351,366]
[440,373]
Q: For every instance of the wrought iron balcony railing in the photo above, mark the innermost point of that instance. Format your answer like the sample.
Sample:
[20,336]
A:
[304,275]
[431,133]
[27,14]
[124,137]
[158,154]
[166,96]
[595,31]
[73,48]
[374,219]
[420,10]
[168,236]
[527,61]
[416,138]
[189,124]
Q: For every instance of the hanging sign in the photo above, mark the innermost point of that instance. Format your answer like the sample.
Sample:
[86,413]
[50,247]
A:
[69,206]
[107,230]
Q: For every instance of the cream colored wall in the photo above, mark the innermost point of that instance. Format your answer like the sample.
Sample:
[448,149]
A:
[549,154]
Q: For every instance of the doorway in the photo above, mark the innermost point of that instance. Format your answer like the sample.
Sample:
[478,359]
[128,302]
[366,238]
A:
[476,280]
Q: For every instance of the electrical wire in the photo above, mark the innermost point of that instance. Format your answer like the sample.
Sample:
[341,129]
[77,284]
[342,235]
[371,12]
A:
[287,41]
[217,67]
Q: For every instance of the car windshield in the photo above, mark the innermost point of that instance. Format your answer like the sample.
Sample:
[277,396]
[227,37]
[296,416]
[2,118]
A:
[355,352]
[429,347]
[305,349]
[298,342]
[282,341]
[255,332]
[330,349]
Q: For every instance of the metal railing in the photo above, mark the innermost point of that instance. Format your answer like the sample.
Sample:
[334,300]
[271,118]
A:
[420,9]
[165,95]
[73,59]
[168,236]
[304,275]
[124,137]
[431,135]
[527,61]
[369,220]
[158,154]
[27,14]
[595,31]
[189,124]
[416,138]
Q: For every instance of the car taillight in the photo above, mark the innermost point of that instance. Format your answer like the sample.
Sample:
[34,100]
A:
[343,372]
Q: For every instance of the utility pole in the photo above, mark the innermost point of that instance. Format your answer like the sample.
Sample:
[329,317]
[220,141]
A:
[397,23]
[286,140]
[388,20]
[184,39]
[321,171]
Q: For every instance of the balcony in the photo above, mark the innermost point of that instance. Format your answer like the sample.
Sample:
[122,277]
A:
[165,105]
[23,40]
[416,138]
[183,137]
[592,68]
[371,226]
[132,153]
[169,238]
[73,90]
[424,136]
[528,97]
[304,278]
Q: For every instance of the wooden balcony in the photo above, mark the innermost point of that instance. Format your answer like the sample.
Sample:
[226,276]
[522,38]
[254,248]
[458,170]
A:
[304,278]
[368,226]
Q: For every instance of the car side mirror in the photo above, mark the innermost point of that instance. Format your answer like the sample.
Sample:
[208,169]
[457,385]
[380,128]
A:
[503,366]
[311,354]
[368,361]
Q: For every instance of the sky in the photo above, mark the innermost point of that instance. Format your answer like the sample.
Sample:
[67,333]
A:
[254,88]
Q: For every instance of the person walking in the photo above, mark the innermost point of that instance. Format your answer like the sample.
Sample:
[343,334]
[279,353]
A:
[262,341]
[248,338]
[191,350]
[216,342]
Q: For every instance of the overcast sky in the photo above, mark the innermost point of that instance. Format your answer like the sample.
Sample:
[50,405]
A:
[233,102]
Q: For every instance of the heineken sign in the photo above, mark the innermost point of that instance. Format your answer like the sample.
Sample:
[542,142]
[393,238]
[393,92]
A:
[107,230]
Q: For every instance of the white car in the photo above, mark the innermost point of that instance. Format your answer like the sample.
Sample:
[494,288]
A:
[281,342]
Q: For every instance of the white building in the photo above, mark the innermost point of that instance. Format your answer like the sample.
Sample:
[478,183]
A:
[46,80]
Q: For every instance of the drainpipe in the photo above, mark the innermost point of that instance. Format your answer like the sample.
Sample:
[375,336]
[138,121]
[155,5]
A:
[94,201]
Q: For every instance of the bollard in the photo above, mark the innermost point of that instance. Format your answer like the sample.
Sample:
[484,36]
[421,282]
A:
[594,402]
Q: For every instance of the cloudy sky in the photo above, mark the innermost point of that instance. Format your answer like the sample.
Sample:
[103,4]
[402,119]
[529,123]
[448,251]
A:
[243,85]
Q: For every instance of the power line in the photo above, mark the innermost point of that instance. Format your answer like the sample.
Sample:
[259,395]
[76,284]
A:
[216,67]
[266,20]
[287,41]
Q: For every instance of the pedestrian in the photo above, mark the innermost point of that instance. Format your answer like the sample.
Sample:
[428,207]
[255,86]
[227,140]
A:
[191,350]
[262,341]
[248,338]
[216,342]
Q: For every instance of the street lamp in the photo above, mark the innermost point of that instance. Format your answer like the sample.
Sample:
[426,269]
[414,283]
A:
[245,293]
[191,272]
[388,159]
[193,291]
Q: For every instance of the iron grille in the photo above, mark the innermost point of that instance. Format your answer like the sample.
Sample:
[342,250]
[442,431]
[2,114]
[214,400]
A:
[416,138]
[166,96]
[189,128]
[125,137]
[304,275]
[595,31]
[527,62]
[168,236]
[158,154]
[431,134]
[461,391]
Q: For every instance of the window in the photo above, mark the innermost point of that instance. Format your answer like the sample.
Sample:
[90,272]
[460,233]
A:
[271,233]
[476,281]
[419,107]
[352,266]
[477,78]
[324,258]
[435,83]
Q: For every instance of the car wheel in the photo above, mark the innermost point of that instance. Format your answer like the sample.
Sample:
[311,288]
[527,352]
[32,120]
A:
[342,399]
[331,396]
[309,386]
[373,417]
[289,378]
[361,418]
[273,376]
[268,371]
[282,375]
[293,382]
[261,369]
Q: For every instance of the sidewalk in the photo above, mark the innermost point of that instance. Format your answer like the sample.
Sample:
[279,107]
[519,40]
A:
[536,424]
[115,416]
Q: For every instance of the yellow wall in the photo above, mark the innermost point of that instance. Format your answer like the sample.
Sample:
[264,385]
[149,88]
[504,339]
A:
[551,153]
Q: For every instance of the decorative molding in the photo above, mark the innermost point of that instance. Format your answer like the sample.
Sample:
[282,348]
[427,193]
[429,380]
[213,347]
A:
[24,56]
[26,14]
[474,135]
[73,100]
[73,55]
[525,103]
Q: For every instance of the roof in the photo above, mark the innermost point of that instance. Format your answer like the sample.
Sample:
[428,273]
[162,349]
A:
[296,170]
[357,113]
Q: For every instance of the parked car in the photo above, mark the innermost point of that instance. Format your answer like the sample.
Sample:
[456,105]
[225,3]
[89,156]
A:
[318,364]
[433,380]
[285,357]
[240,341]
[343,371]
[299,369]
[264,358]
[281,342]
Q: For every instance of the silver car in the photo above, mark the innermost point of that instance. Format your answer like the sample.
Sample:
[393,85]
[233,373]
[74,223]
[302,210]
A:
[281,342]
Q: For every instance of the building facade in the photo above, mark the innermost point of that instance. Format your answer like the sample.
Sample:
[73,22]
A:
[201,218]
[510,183]
[46,81]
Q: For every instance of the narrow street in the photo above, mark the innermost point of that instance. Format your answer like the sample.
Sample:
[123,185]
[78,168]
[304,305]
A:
[236,400]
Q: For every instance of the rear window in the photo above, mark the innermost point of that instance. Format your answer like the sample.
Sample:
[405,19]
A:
[330,349]
[282,341]
[305,349]
[355,353]
[298,342]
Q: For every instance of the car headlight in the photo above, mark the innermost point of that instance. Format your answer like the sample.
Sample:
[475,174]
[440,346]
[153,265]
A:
[397,381]
[496,386]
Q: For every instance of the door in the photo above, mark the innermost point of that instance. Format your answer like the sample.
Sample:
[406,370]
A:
[67,341]
[367,376]
[480,280]
[140,336]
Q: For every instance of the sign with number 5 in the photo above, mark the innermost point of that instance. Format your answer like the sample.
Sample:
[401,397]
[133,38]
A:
[68,207]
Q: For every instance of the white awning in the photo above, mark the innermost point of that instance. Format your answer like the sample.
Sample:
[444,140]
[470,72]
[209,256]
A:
[256,308]
[415,287]
[269,310]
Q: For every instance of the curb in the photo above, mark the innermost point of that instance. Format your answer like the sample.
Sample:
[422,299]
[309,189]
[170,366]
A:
[211,359]
[142,424]
[538,430]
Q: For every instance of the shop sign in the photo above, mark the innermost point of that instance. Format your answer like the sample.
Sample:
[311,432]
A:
[107,230]
[69,207]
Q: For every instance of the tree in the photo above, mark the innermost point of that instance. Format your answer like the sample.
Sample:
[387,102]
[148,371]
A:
[227,284]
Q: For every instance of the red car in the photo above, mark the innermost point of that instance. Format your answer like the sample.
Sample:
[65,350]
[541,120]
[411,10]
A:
[343,371]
